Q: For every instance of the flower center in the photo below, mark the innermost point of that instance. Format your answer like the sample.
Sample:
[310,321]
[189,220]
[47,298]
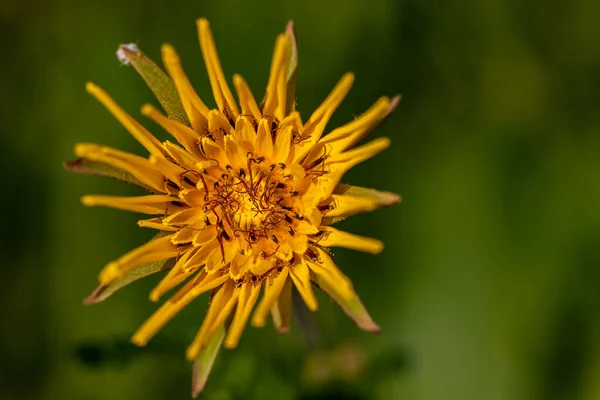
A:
[254,200]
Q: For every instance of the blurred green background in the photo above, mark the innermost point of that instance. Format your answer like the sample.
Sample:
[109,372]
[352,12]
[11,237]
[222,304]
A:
[488,287]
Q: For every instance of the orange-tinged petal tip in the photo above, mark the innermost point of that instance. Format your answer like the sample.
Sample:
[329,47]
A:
[388,198]
[393,104]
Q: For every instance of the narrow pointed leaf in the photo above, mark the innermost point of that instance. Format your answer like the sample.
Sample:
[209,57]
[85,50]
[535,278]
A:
[353,308]
[102,292]
[83,166]
[204,363]
[292,69]
[383,199]
[157,80]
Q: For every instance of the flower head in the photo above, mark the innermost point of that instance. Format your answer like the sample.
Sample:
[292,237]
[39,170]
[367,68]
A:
[243,196]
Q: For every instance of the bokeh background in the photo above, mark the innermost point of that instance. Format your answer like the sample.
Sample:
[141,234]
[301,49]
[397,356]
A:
[489,284]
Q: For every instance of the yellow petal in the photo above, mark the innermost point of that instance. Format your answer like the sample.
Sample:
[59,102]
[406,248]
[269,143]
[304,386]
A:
[234,155]
[345,161]
[339,164]
[294,119]
[185,217]
[193,197]
[193,105]
[155,223]
[214,152]
[353,307]
[220,308]
[180,300]
[151,204]
[221,91]
[282,309]
[335,238]
[275,96]
[325,268]
[218,122]
[273,287]
[184,135]
[382,198]
[83,166]
[245,133]
[349,205]
[283,141]
[137,166]
[261,265]
[247,101]
[264,142]
[347,135]
[301,277]
[201,256]
[314,127]
[182,236]
[174,277]
[334,98]
[246,300]
[236,267]
[155,250]
[186,161]
[204,236]
[140,133]
[219,257]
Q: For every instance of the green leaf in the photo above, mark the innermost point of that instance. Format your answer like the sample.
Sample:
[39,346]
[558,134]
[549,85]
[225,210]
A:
[352,307]
[292,69]
[83,166]
[204,363]
[157,80]
[383,199]
[103,292]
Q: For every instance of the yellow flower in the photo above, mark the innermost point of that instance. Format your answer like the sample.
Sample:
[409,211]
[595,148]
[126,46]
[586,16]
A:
[243,198]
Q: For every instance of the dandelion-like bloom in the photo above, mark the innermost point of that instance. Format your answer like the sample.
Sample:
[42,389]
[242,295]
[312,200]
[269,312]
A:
[243,198]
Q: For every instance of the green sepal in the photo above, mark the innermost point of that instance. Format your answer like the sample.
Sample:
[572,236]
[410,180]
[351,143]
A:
[157,80]
[83,166]
[102,292]
[383,199]
[292,69]
[204,363]
[352,307]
